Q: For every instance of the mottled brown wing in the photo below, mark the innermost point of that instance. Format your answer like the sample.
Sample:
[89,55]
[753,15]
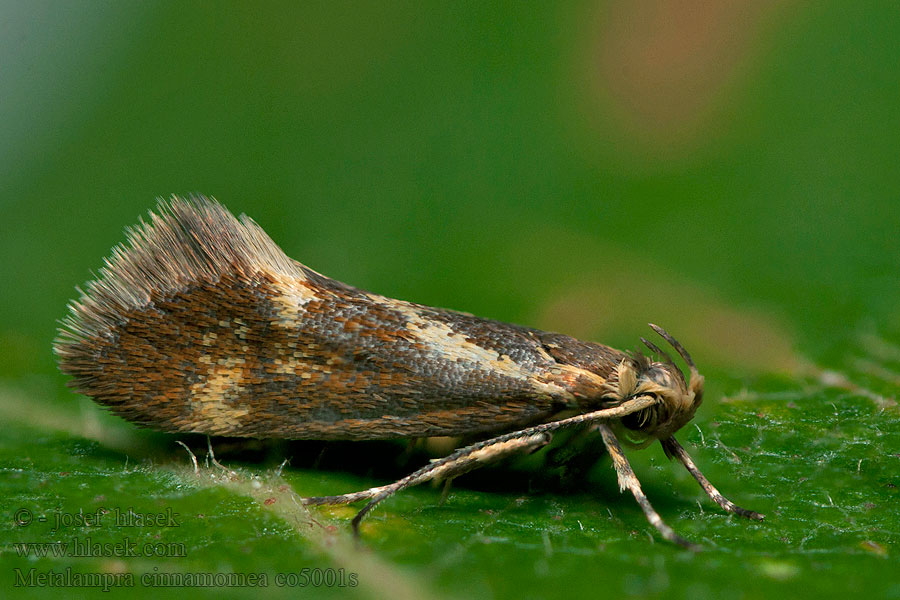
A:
[200,323]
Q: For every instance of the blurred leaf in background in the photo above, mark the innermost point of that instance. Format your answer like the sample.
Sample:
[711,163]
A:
[728,170]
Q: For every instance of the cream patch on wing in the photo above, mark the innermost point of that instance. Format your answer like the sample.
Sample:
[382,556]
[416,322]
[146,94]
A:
[300,367]
[214,400]
[448,343]
[292,295]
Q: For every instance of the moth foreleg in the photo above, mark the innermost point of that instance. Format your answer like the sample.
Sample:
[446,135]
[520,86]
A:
[628,480]
[673,448]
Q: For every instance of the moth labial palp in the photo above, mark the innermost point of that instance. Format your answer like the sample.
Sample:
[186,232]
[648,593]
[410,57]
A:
[200,323]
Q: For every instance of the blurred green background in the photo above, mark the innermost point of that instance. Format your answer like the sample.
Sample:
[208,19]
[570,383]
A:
[728,170]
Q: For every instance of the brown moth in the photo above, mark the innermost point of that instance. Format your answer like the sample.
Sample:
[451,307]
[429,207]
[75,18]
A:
[200,323]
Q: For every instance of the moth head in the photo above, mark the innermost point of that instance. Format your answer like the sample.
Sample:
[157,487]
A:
[675,398]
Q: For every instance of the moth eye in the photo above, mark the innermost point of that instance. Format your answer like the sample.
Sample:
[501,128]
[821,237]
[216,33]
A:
[640,419]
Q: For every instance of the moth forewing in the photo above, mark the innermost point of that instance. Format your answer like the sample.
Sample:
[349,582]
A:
[200,323]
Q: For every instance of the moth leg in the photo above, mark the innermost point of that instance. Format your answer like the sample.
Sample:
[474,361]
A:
[628,480]
[458,462]
[673,448]
[343,498]
[445,490]
[446,468]
[453,465]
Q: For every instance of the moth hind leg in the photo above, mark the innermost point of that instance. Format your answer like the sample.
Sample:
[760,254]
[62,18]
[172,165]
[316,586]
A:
[342,498]
[453,465]
[468,458]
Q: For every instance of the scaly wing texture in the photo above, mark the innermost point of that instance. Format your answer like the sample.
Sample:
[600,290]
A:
[200,323]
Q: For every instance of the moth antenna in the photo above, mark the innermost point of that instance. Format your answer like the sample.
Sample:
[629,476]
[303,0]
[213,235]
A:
[654,348]
[675,344]
[696,378]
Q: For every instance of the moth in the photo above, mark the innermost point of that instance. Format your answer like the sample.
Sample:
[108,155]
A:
[200,323]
